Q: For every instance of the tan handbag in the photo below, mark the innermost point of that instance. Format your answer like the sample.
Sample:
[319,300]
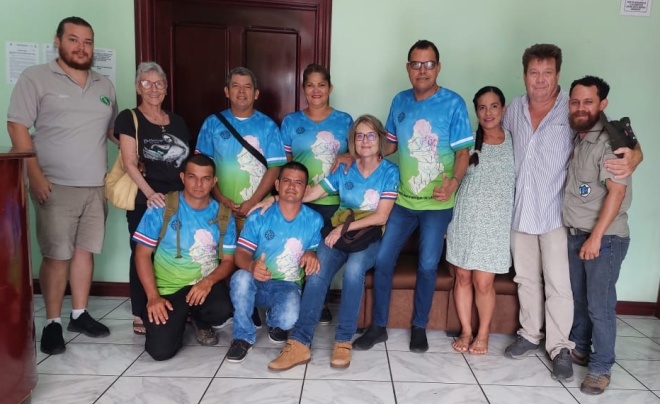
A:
[120,189]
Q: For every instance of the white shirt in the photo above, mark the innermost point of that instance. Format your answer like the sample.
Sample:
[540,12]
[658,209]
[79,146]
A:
[541,159]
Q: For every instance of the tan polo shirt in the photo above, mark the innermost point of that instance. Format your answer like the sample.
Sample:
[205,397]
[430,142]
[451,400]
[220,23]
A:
[585,187]
[70,123]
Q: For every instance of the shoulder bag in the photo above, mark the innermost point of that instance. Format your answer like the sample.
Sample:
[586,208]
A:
[120,189]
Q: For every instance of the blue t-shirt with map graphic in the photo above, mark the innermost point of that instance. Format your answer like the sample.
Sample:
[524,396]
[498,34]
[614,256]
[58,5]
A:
[316,144]
[359,193]
[239,172]
[199,240]
[428,134]
[283,241]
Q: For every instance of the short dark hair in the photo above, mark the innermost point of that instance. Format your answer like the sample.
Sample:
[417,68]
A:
[424,44]
[316,68]
[71,20]
[602,88]
[201,160]
[242,71]
[295,166]
[479,133]
[542,51]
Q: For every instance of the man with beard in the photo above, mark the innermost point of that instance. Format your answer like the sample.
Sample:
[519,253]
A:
[542,146]
[594,210]
[72,110]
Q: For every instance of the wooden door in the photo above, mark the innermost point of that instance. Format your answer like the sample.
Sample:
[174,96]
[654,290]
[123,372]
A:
[198,41]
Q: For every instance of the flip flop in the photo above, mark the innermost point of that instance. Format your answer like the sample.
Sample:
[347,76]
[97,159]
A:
[462,343]
[479,347]
[138,328]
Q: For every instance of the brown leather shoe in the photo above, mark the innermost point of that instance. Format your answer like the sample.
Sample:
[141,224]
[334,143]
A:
[341,355]
[293,354]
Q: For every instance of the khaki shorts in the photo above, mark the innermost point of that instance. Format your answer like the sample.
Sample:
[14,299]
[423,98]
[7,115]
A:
[73,217]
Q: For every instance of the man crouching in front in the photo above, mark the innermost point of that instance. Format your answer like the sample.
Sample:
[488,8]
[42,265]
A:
[185,278]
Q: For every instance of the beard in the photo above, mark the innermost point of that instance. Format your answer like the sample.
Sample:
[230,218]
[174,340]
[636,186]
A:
[584,125]
[68,60]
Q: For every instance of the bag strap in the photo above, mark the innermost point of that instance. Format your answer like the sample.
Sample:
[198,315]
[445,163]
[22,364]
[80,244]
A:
[137,141]
[222,219]
[242,141]
[171,207]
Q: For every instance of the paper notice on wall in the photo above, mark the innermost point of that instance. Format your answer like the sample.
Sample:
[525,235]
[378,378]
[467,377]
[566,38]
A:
[49,51]
[105,63]
[641,8]
[19,56]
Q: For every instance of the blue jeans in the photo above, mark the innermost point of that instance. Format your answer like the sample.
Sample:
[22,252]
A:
[400,225]
[282,298]
[594,295]
[316,286]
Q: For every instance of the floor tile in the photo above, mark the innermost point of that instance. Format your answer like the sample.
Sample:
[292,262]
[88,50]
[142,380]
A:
[647,372]
[161,390]
[650,327]
[121,312]
[623,329]
[70,389]
[99,307]
[261,391]
[91,359]
[611,396]
[256,366]
[365,365]
[430,367]
[190,361]
[38,303]
[511,372]
[418,393]
[121,332]
[347,392]
[631,348]
[399,340]
[526,395]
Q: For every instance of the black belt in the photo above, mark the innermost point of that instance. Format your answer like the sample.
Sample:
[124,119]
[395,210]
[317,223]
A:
[577,232]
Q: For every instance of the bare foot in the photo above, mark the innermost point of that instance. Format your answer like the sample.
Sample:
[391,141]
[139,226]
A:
[462,343]
[479,346]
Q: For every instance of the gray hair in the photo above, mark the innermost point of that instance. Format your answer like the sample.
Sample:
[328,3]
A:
[242,71]
[148,67]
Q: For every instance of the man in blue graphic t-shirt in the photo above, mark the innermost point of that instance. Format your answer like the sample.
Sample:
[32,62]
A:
[275,251]
[186,277]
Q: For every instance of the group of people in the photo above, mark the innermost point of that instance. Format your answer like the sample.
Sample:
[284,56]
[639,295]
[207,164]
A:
[210,240]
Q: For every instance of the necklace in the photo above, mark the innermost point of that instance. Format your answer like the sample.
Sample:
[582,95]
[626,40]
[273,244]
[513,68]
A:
[161,117]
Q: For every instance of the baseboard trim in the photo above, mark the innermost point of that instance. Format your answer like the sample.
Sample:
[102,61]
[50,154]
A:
[636,308]
[121,289]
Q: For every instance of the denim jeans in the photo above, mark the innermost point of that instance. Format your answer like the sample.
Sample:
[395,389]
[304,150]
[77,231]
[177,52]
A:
[281,298]
[594,294]
[400,225]
[316,286]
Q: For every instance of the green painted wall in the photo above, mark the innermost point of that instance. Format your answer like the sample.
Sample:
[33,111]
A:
[481,42]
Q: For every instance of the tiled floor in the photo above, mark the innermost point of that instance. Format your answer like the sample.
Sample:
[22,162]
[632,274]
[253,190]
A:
[117,370]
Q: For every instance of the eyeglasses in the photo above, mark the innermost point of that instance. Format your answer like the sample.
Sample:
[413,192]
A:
[147,84]
[428,65]
[369,136]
